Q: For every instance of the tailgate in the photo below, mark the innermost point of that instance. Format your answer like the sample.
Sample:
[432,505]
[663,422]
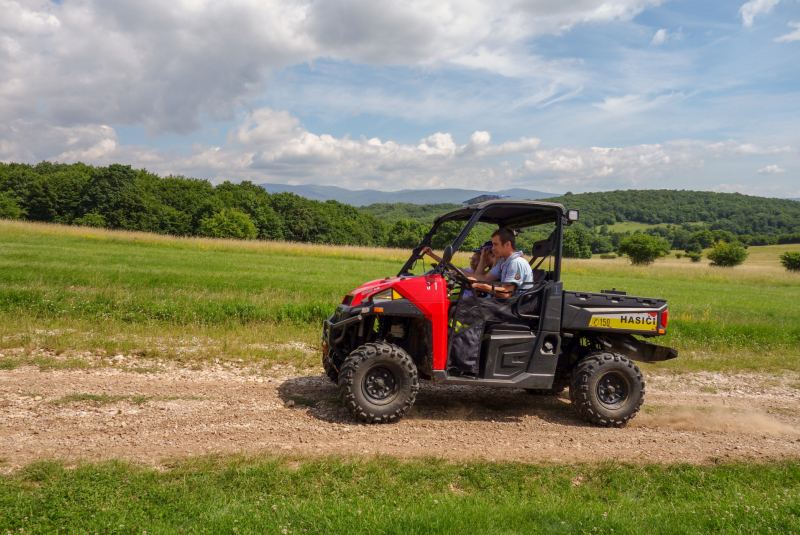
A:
[587,311]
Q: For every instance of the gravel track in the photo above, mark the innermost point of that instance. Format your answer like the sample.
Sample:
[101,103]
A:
[180,412]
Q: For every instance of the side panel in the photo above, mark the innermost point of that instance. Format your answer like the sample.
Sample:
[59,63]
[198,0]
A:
[506,354]
[429,294]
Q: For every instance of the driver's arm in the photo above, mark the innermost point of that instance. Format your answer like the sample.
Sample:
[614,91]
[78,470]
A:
[500,290]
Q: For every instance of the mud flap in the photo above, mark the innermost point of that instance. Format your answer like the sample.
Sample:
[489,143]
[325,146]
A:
[636,349]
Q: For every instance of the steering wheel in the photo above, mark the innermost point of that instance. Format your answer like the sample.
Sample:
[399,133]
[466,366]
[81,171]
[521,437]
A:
[460,275]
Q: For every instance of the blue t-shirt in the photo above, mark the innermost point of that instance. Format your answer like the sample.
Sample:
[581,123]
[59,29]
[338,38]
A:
[467,293]
[514,270]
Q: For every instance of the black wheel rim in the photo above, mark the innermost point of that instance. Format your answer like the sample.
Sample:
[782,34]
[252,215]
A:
[380,385]
[613,390]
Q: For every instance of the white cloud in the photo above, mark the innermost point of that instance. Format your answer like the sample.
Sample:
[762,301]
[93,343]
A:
[637,165]
[662,36]
[630,104]
[659,37]
[273,146]
[749,10]
[169,66]
[791,36]
[771,169]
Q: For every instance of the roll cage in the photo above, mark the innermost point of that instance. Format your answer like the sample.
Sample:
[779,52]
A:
[515,215]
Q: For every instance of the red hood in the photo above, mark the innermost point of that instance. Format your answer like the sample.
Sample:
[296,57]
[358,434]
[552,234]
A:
[371,287]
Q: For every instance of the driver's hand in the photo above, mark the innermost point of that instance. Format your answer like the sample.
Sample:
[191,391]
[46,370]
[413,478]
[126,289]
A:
[473,279]
[427,251]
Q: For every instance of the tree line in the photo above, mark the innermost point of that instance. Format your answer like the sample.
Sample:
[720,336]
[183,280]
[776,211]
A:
[741,215]
[120,197]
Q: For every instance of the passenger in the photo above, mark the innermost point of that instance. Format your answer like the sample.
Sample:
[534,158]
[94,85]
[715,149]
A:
[512,270]
[474,261]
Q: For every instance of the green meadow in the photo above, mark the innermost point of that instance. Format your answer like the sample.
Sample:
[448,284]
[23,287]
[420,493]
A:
[70,290]
[69,294]
[384,495]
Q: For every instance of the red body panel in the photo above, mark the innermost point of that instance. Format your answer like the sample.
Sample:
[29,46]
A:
[429,294]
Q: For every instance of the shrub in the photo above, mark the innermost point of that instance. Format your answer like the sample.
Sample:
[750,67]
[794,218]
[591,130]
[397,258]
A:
[576,243]
[91,220]
[678,255]
[643,249]
[694,257]
[791,260]
[694,247]
[229,223]
[727,254]
[607,256]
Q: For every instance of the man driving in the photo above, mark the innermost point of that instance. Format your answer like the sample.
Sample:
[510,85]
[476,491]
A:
[513,271]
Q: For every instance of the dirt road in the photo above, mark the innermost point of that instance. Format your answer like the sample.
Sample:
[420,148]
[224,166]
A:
[150,417]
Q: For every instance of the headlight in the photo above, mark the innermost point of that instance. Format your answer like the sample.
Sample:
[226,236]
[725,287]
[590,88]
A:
[385,295]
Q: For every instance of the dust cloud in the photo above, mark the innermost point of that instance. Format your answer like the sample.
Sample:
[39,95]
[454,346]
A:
[715,419]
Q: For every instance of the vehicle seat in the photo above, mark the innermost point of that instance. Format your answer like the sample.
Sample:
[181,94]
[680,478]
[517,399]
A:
[541,250]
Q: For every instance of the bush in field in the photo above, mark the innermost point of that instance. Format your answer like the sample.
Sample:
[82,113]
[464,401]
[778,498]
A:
[577,243]
[694,247]
[91,220]
[727,254]
[229,223]
[791,260]
[9,209]
[678,255]
[704,237]
[694,257]
[643,249]
[606,256]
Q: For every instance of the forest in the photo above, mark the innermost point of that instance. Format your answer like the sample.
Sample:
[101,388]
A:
[120,197]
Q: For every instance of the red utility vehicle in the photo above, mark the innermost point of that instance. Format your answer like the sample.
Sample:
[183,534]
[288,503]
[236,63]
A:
[388,333]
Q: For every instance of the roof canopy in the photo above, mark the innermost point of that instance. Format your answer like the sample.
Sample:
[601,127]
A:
[506,213]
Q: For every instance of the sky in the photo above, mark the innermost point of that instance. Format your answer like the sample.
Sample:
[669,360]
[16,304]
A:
[550,95]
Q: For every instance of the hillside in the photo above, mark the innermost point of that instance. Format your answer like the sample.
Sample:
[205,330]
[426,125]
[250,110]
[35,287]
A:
[732,212]
[410,196]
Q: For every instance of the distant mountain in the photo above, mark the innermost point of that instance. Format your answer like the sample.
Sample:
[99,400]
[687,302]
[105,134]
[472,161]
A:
[366,197]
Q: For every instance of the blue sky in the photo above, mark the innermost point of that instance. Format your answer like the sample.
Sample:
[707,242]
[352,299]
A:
[553,95]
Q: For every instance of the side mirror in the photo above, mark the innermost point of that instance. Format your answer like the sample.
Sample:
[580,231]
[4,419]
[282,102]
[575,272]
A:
[448,254]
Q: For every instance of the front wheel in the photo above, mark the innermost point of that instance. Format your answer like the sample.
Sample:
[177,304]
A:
[378,383]
[607,389]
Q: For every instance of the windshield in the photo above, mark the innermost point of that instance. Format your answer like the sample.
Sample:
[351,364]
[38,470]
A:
[465,257]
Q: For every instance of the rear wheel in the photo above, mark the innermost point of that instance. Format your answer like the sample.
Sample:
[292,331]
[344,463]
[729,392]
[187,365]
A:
[607,389]
[378,383]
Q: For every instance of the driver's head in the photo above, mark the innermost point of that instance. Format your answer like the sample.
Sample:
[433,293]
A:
[504,243]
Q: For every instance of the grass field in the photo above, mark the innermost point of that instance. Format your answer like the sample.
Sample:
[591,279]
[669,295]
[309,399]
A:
[72,289]
[382,495]
[77,292]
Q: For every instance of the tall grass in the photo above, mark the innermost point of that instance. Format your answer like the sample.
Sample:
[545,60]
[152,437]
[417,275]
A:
[110,289]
